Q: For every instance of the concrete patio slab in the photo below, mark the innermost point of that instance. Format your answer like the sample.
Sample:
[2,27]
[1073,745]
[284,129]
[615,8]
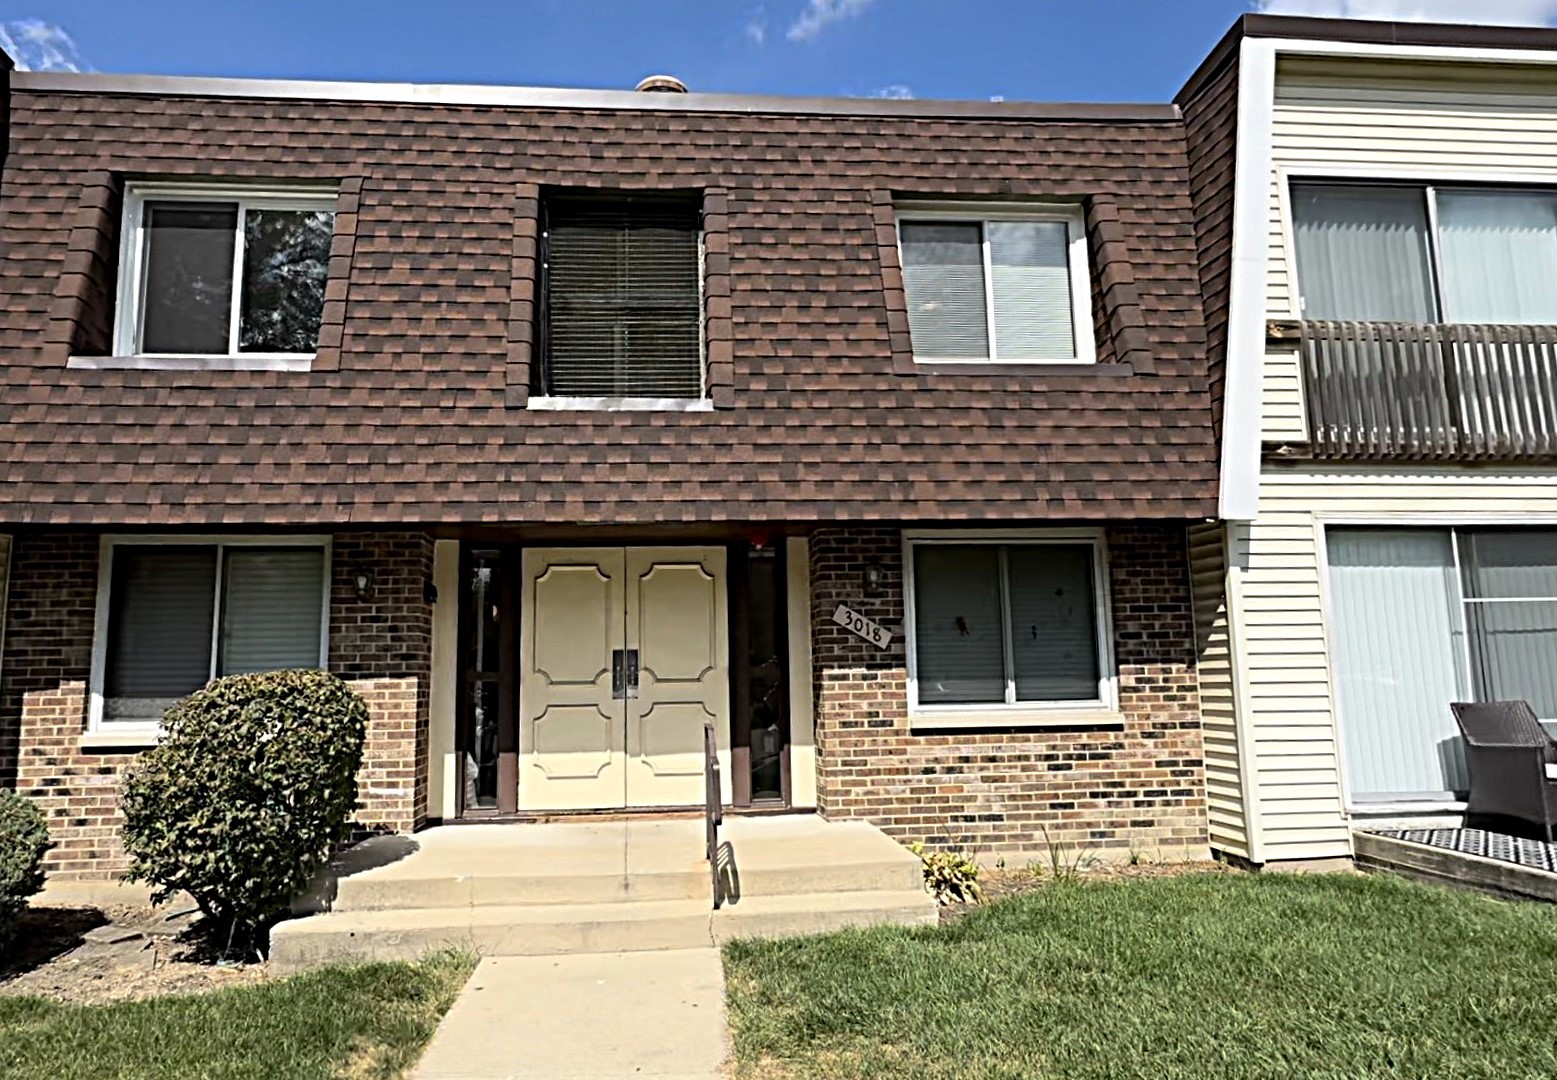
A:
[585,1017]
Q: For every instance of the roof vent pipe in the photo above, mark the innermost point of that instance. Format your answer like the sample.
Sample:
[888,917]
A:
[661,84]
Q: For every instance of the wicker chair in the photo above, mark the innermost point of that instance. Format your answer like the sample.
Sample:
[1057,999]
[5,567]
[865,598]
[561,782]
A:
[1507,751]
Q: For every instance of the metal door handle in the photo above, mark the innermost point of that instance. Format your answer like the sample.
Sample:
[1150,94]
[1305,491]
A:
[631,673]
[618,674]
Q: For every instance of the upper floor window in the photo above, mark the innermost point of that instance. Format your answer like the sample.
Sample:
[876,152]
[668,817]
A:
[1423,254]
[1007,285]
[207,272]
[622,304]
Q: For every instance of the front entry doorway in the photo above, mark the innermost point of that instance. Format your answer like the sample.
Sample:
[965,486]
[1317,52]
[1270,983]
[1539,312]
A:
[623,660]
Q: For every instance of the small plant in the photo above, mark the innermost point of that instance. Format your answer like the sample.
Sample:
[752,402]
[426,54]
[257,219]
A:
[251,788]
[24,837]
[1064,869]
[952,877]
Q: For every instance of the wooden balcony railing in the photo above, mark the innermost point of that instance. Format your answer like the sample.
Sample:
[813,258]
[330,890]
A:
[1402,391]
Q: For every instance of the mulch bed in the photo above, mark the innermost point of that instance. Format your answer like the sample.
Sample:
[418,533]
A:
[90,955]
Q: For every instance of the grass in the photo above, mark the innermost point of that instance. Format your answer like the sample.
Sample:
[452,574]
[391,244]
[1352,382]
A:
[1205,975]
[363,1021]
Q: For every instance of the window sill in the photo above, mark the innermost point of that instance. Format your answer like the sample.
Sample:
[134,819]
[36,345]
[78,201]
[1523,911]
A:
[619,404]
[1021,367]
[132,737]
[265,362]
[953,718]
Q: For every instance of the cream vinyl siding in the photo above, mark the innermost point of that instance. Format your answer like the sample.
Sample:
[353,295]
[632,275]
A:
[1399,120]
[1282,631]
[1214,665]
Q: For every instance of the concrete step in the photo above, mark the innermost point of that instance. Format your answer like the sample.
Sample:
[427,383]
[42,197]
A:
[819,913]
[503,866]
[549,929]
[517,930]
[366,893]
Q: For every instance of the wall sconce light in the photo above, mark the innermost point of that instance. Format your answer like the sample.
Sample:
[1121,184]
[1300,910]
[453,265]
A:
[429,592]
[364,583]
[873,579]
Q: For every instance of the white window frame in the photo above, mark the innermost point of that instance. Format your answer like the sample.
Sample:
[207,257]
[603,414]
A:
[1012,713]
[1071,215]
[132,276]
[137,732]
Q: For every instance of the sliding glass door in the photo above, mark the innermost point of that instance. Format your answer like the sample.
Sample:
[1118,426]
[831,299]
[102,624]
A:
[1423,617]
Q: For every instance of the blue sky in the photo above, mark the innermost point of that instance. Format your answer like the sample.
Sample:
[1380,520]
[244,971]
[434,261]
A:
[1123,50]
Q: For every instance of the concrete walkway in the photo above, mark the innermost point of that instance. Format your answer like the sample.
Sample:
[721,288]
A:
[585,1017]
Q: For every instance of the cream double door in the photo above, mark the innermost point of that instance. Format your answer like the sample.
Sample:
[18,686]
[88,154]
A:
[623,663]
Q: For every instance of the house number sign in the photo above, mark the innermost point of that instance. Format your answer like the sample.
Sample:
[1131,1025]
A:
[856,623]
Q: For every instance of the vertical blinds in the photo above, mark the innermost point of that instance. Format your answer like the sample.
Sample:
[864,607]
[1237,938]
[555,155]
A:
[1363,253]
[623,296]
[1005,623]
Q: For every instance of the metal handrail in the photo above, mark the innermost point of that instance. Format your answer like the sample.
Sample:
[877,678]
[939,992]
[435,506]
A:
[713,809]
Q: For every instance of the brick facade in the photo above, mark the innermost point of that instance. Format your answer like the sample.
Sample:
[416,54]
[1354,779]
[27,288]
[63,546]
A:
[380,642]
[1136,783]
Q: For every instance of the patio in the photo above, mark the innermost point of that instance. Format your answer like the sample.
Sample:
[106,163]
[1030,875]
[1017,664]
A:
[1491,862]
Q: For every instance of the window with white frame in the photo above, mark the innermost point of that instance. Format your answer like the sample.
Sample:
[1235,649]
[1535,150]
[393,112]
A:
[1006,285]
[1008,622]
[172,616]
[214,273]
[1425,253]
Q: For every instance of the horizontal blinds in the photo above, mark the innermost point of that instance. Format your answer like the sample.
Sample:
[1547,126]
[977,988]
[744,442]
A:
[1054,650]
[943,279]
[957,624]
[159,621]
[1030,271]
[272,608]
[623,298]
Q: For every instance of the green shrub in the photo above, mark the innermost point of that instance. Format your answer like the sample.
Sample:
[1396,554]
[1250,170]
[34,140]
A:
[252,786]
[24,837]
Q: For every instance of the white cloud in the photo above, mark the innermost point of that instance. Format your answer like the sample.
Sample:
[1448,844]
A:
[756,29]
[36,45]
[820,14]
[895,91]
[1503,12]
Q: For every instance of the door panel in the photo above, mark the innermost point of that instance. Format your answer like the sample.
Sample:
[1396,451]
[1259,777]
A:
[571,738]
[678,621]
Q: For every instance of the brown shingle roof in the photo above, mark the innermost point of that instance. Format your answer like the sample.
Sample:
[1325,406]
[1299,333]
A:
[826,422]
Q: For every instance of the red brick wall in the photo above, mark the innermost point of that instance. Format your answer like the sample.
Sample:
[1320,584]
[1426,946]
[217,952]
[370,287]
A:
[381,643]
[1103,789]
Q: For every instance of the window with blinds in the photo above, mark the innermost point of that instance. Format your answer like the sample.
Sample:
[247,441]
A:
[622,307]
[1007,623]
[181,614]
[996,289]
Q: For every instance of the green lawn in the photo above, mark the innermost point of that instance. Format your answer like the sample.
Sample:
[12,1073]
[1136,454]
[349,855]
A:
[1220,976]
[367,1021]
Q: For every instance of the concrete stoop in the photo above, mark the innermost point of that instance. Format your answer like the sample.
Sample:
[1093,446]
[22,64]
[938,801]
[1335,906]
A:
[600,887]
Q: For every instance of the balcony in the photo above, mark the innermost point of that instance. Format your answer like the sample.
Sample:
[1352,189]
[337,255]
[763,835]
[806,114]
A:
[1410,392]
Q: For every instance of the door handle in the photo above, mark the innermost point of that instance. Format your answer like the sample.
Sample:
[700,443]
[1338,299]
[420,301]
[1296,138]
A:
[618,674]
[630,674]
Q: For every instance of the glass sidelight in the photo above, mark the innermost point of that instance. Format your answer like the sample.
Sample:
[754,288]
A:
[759,681]
[480,731]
